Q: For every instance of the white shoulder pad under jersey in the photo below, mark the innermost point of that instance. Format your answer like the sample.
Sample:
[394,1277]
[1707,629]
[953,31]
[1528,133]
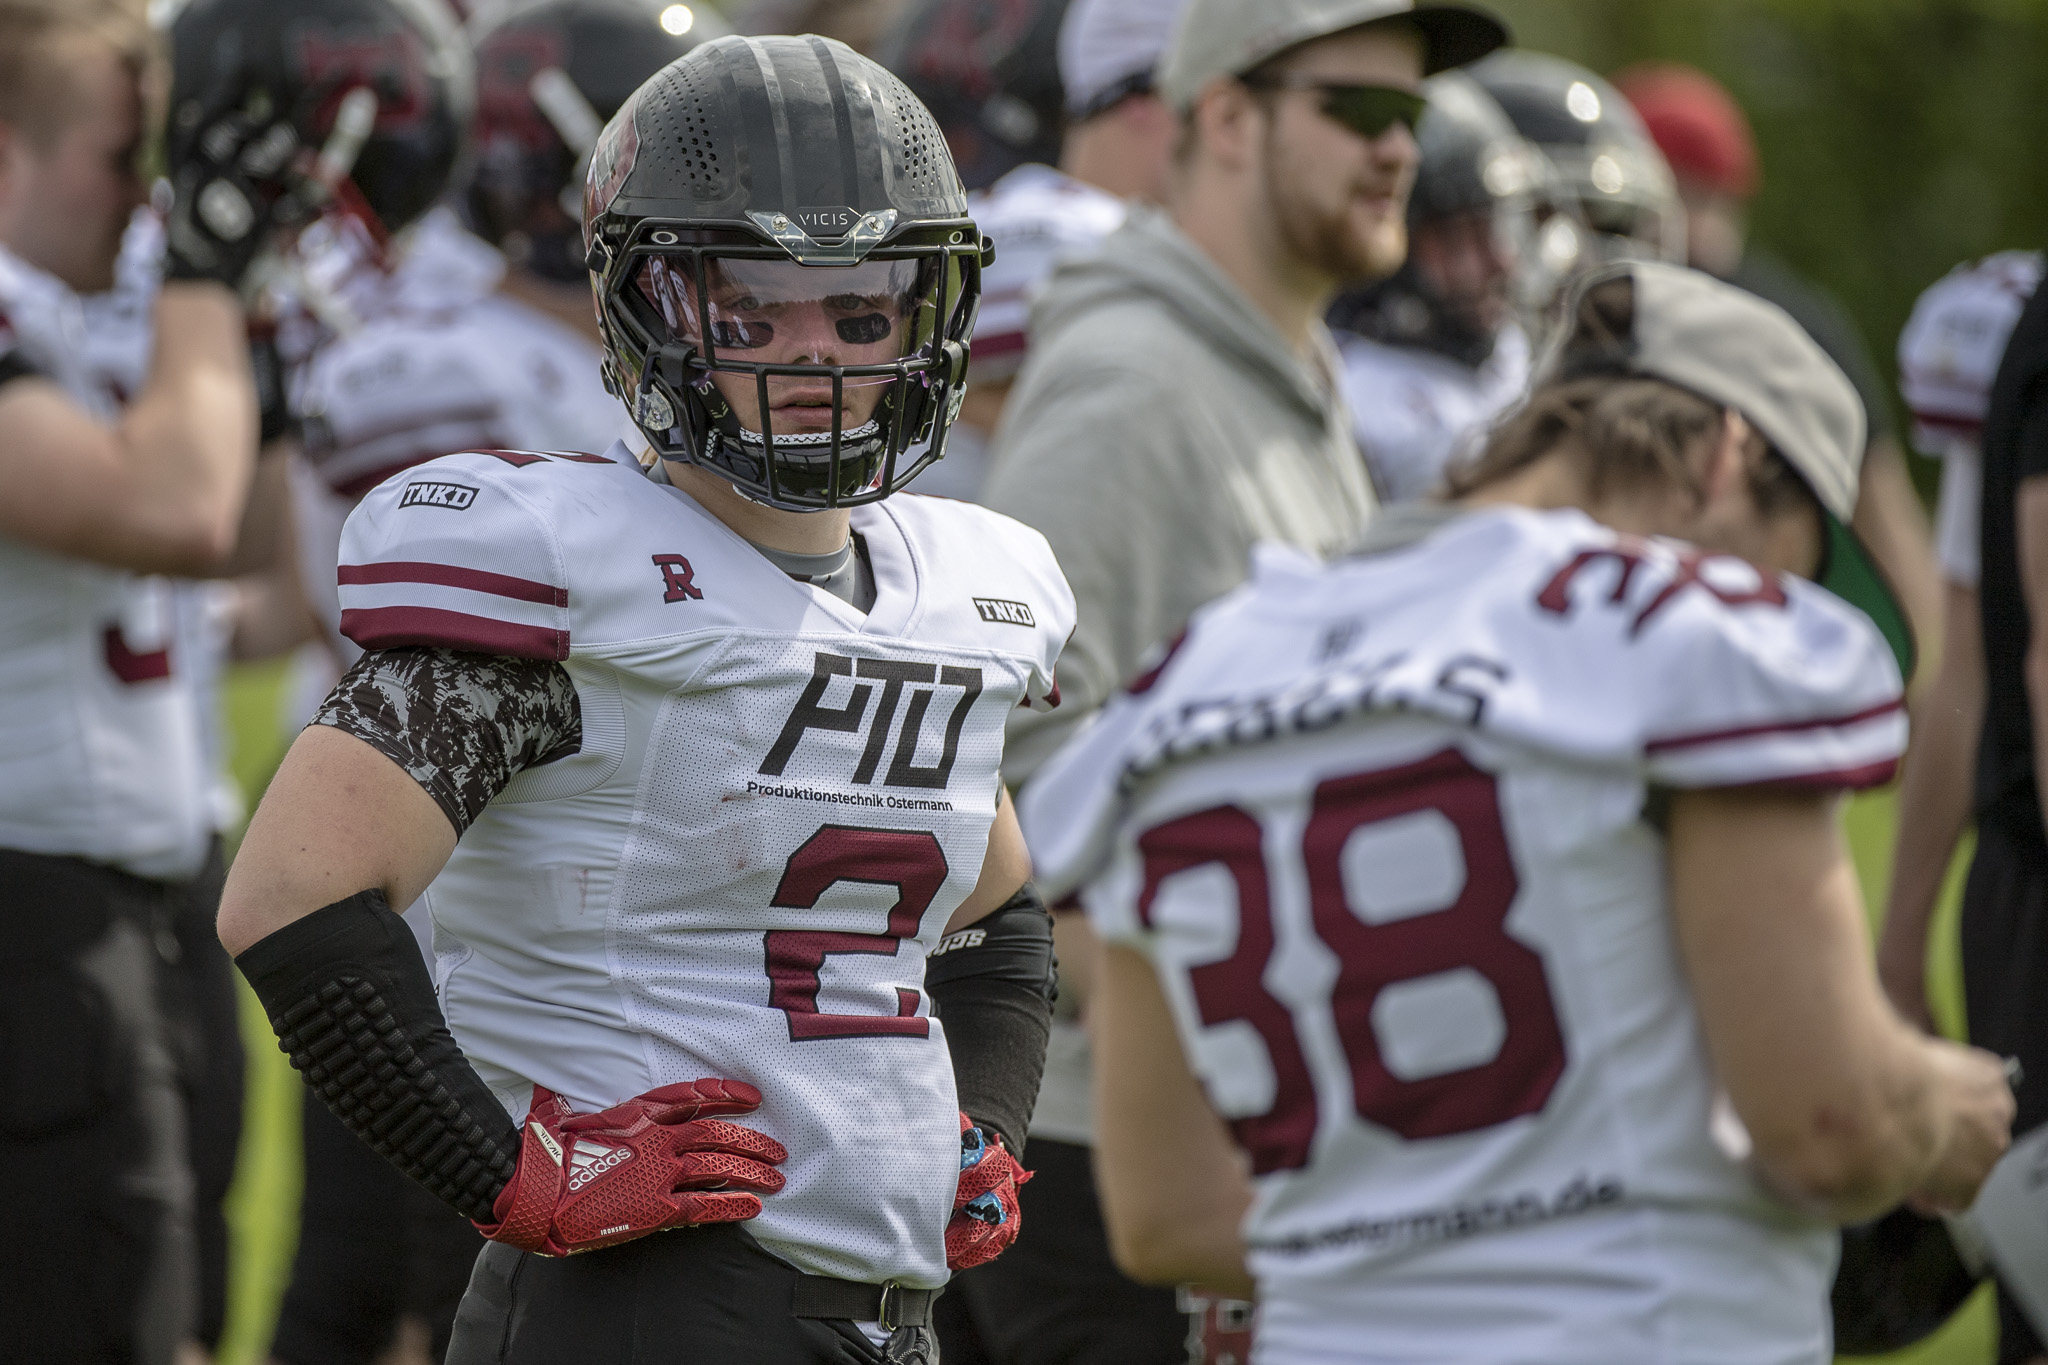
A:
[541,555]
[1541,629]
[1950,348]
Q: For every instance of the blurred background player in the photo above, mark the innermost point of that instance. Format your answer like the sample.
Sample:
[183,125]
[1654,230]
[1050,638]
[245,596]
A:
[1901,1277]
[1948,356]
[435,340]
[1525,1063]
[1180,403]
[2005,901]
[1605,160]
[126,466]
[1436,351]
[1116,146]
[989,72]
[1707,142]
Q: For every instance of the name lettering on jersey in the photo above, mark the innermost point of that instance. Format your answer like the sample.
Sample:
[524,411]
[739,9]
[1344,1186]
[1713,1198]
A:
[679,577]
[1730,581]
[1329,695]
[921,678]
[456,497]
[1002,611]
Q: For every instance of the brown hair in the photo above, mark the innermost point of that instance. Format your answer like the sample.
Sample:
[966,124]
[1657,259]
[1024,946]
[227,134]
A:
[40,42]
[1625,431]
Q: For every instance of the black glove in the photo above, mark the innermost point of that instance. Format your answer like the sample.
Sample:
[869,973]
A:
[238,184]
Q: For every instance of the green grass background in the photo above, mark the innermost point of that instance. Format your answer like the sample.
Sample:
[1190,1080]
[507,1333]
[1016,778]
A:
[263,1206]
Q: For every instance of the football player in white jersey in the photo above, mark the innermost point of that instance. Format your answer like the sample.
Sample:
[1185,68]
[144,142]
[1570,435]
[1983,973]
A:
[1435,352]
[117,474]
[694,772]
[1948,356]
[1487,885]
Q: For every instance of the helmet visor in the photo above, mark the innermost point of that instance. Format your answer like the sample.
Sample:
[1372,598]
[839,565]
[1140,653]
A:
[755,311]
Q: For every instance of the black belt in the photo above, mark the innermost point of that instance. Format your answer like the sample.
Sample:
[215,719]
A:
[888,1305]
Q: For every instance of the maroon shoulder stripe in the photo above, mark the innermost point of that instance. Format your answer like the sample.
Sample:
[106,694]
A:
[1837,779]
[452,576]
[392,627]
[1660,746]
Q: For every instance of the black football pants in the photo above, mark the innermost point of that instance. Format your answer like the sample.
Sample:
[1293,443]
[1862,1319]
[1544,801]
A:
[373,1246]
[96,1266]
[2005,990]
[692,1296]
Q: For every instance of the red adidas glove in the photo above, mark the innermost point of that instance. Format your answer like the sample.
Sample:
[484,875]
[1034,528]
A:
[593,1180]
[986,1218]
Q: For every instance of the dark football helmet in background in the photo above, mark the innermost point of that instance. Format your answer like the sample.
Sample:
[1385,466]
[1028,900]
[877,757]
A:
[1604,156]
[989,72]
[549,75]
[1481,181]
[303,58]
[776,234]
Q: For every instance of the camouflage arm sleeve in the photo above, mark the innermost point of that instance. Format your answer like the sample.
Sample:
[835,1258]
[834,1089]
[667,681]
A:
[461,725]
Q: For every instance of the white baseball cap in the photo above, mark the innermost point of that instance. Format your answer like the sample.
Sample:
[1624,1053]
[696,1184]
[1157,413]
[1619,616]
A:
[1110,49]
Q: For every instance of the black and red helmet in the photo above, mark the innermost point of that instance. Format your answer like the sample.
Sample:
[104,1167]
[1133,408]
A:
[304,57]
[989,72]
[785,268]
[549,74]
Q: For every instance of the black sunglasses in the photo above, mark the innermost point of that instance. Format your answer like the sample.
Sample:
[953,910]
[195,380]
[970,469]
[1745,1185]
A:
[1368,110]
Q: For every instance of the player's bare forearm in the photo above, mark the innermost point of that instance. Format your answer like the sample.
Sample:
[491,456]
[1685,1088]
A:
[339,818]
[1934,803]
[1174,1189]
[161,491]
[1005,868]
[1849,1109]
[1891,521]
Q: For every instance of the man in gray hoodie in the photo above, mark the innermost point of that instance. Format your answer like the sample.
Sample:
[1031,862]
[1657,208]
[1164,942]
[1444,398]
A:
[1180,405]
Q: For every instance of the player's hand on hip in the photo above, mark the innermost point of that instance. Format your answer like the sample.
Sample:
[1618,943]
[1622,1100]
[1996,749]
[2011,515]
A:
[660,1160]
[1971,1086]
[985,1214]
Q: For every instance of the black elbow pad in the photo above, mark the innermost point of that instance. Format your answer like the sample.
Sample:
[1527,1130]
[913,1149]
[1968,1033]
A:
[354,1009]
[992,984]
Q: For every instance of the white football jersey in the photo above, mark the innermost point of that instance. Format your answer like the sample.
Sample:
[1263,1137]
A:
[778,804]
[437,362]
[1415,411]
[1381,829]
[100,745]
[1948,356]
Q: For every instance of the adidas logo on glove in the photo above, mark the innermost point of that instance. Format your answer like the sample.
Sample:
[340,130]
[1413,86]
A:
[588,1161]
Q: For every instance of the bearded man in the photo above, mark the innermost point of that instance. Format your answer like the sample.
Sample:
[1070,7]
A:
[1180,404]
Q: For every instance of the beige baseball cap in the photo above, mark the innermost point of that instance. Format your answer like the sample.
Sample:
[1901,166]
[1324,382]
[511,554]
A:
[1230,37]
[1735,349]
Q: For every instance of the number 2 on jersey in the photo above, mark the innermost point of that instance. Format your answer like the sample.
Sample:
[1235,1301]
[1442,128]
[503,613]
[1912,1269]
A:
[1468,933]
[909,860]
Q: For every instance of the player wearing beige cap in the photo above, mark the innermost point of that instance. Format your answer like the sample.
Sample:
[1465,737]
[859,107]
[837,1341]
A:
[1486,883]
[1178,405]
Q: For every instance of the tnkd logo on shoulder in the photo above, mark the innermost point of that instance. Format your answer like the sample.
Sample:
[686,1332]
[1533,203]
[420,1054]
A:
[1002,611]
[924,681]
[454,496]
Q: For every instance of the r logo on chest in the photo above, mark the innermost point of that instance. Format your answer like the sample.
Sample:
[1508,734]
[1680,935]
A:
[679,578]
